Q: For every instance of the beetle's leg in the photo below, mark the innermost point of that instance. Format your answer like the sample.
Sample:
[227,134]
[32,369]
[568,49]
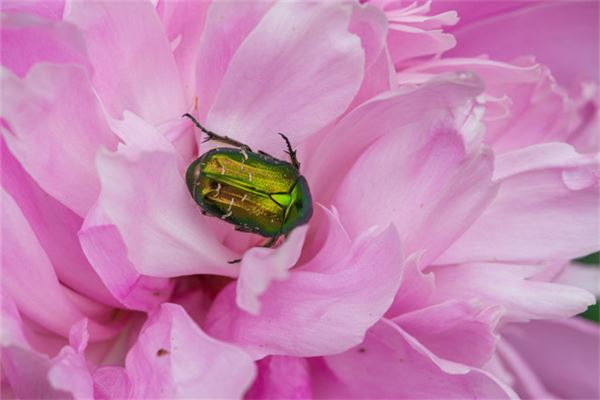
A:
[271,242]
[216,137]
[265,154]
[291,152]
[241,228]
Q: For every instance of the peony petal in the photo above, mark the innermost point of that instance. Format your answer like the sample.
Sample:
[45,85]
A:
[583,276]
[134,68]
[260,266]
[392,364]
[173,357]
[320,311]
[370,25]
[426,181]
[415,291]
[184,22]
[511,286]
[30,280]
[54,111]
[562,35]
[27,40]
[564,355]
[104,247]
[144,195]
[454,330]
[281,377]
[227,26]
[43,8]
[297,93]
[545,208]
[111,383]
[344,144]
[55,226]
[31,374]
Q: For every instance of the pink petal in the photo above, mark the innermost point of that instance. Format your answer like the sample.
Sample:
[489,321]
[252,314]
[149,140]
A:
[511,286]
[69,371]
[583,276]
[55,226]
[261,266]
[54,111]
[184,22]
[30,280]
[134,68]
[343,145]
[392,364]
[370,25]
[564,355]
[415,291]
[562,35]
[111,383]
[104,247]
[263,92]
[281,377]
[429,181]
[341,297]
[546,208]
[32,374]
[27,40]
[43,8]
[227,26]
[173,357]
[454,330]
[413,35]
[144,195]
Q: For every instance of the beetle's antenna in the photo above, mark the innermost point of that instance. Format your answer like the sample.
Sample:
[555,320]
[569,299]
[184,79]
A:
[291,152]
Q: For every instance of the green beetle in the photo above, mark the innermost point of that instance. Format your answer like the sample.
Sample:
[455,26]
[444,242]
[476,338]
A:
[253,190]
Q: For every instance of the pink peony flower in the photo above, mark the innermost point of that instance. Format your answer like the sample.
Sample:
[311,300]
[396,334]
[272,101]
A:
[454,171]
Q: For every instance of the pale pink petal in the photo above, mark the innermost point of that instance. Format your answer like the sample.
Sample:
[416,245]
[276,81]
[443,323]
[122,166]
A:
[55,226]
[428,179]
[69,371]
[343,144]
[36,111]
[454,330]
[563,354]
[306,76]
[370,25]
[415,291]
[183,22]
[562,35]
[545,208]
[104,247]
[583,276]
[144,195]
[511,286]
[261,266]
[134,68]
[43,8]
[27,40]
[281,377]
[416,31]
[392,364]
[30,280]
[227,26]
[522,378]
[32,374]
[173,357]
[111,383]
[320,311]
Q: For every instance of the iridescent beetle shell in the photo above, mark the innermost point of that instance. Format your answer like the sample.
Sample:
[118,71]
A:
[252,190]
